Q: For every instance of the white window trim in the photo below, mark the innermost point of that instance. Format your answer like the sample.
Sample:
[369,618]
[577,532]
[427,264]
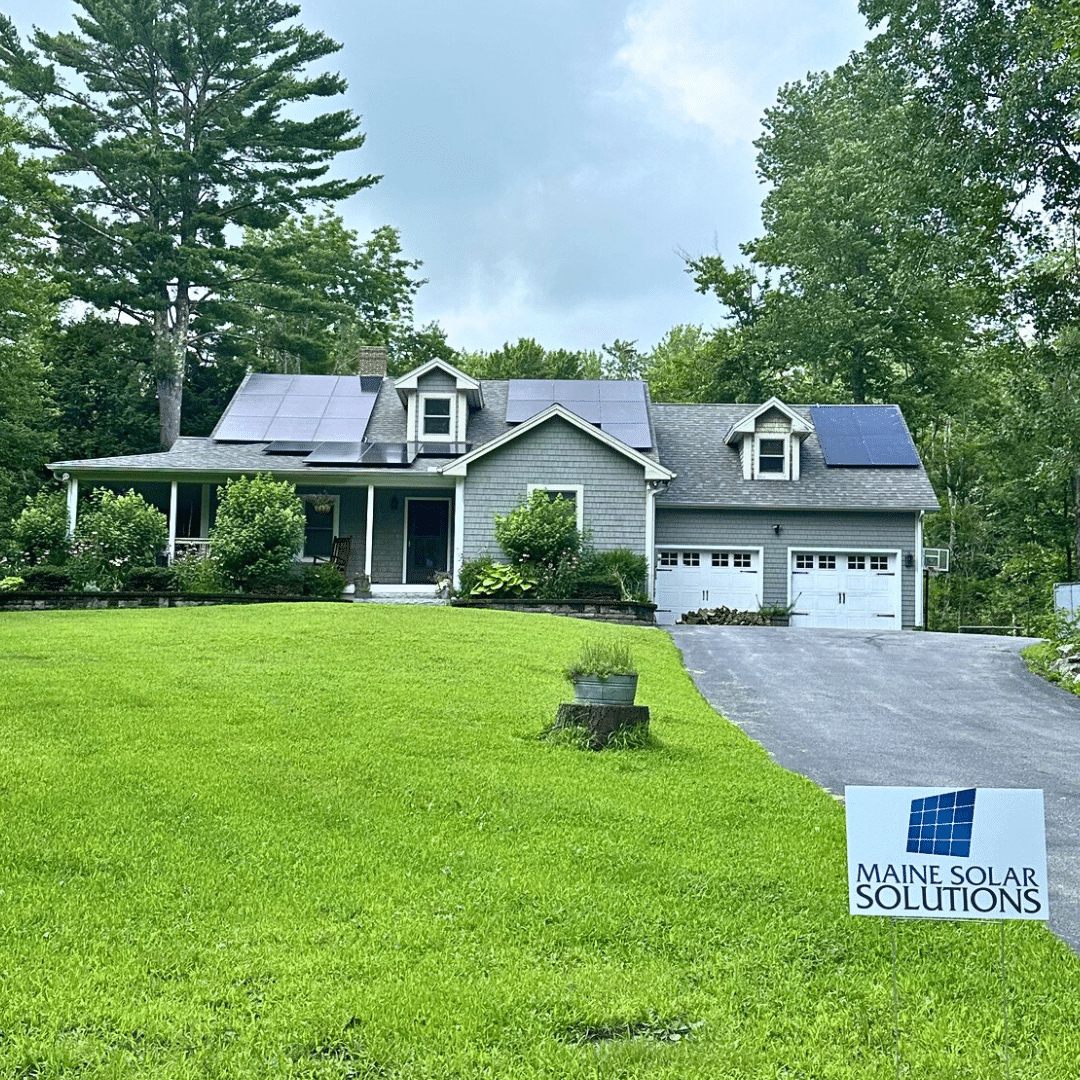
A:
[441,395]
[772,437]
[335,529]
[579,497]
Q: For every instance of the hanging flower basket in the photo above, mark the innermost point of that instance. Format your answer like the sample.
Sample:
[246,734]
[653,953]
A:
[321,504]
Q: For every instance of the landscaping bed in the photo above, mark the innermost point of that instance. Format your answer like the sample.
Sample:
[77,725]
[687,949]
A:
[606,610]
[52,601]
[331,841]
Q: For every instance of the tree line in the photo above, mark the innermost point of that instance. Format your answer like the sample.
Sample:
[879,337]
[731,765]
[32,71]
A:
[167,224]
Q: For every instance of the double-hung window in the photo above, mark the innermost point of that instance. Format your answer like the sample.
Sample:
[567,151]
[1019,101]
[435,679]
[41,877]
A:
[435,418]
[772,458]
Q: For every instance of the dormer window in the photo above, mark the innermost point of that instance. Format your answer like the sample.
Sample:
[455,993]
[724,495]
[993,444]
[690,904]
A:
[436,417]
[772,458]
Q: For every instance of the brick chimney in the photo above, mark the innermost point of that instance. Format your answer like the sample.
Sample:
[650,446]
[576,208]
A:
[371,360]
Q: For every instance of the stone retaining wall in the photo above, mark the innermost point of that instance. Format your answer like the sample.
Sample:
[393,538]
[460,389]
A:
[619,611]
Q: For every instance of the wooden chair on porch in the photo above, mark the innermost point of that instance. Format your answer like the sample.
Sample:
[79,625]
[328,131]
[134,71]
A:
[340,551]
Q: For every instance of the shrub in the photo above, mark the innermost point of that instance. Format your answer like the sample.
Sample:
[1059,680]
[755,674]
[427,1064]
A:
[542,534]
[258,532]
[500,580]
[40,531]
[471,573]
[12,584]
[196,573]
[152,579]
[324,580]
[46,579]
[114,535]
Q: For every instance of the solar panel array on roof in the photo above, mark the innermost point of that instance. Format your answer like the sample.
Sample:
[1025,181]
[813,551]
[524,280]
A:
[616,405]
[867,436]
[299,409]
[362,453]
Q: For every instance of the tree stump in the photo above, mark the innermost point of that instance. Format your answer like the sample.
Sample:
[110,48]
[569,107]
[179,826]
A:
[602,721]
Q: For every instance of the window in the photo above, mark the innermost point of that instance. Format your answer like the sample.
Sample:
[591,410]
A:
[571,493]
[804,562]
[772,458]
[856,562]
[691,558]
[436,419]
[826,562]
[879,562]
[669,558]
[719,558]
[741,559]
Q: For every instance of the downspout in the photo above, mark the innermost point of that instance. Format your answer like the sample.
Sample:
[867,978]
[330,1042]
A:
[920,599]
[650,537]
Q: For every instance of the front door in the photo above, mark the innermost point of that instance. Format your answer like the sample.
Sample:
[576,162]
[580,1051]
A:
[427,540]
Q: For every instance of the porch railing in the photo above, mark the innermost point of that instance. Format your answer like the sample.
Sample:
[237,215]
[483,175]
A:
[186,545]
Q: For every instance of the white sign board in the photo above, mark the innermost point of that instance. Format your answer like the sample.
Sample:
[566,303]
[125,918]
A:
[946,853]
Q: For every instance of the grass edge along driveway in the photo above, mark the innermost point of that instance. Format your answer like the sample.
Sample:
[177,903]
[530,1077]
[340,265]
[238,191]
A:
[327,841]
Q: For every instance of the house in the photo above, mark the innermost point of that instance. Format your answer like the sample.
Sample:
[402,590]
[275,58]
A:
[817,507]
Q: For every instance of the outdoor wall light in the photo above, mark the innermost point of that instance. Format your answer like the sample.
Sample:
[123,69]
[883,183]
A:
[393,502]
[776,529]
[909,559]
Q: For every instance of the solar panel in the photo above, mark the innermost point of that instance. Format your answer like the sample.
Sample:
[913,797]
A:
[336,453]
[388,454]
[299,408]
[611,403]
[864,436]
[289,447]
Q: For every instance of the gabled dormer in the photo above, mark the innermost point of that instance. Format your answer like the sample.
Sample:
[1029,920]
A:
[769,441]
[438,399]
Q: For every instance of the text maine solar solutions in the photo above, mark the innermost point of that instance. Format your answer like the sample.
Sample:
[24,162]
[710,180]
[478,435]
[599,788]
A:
[972,853]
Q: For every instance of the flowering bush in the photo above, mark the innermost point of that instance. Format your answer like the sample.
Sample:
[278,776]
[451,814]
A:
[197,573]
[114,535]
[542,539]
[40,531]
[258,532]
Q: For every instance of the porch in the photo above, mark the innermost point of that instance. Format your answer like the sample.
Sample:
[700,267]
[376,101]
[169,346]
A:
[404,537]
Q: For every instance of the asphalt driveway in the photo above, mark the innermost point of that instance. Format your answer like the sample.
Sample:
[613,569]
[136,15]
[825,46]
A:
[906,709]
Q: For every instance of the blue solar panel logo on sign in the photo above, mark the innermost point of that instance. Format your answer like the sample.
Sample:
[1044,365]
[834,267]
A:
[941,824]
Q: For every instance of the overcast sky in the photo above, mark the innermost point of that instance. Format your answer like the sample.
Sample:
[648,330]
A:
[548,159]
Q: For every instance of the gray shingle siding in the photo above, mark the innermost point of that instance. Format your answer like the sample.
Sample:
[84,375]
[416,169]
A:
[557,453]
[798,529]
[436,380]
[352,520]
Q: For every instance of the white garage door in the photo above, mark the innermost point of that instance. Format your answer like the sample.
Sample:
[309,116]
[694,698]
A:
[693,578]
[860,590]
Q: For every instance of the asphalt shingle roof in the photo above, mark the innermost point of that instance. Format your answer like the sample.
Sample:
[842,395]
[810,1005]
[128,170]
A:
[690,440]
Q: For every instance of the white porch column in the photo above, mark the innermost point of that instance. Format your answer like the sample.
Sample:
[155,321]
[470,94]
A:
[459,528]
[72,503]
[204,511]
[172,521]
[370,533]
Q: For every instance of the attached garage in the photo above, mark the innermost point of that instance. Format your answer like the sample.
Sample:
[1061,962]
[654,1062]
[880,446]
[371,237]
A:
[696,577]
[843,588]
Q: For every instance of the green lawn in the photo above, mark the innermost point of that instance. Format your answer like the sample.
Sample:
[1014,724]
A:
[327,841]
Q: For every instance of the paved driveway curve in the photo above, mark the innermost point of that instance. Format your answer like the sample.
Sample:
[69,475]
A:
[910,709]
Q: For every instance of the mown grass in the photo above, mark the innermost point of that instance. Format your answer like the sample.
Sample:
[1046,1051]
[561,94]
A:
[329,841]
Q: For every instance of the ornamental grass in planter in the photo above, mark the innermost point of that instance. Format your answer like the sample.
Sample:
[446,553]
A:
[603,673]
